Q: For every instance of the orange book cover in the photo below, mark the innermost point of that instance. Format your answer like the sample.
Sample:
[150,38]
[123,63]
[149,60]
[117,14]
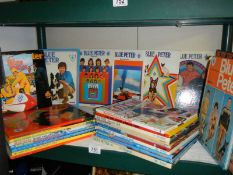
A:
[32,121]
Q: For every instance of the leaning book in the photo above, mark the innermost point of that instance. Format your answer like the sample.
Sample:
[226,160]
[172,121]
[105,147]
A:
[216,123]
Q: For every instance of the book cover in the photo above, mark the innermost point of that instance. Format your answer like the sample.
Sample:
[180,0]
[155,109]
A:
[96,69]
[230,167]
[41,80]
[127,80]
[33,121]
[62,69]
[160,76]
[18,92]
[192,73]
[149,116]
[216,124]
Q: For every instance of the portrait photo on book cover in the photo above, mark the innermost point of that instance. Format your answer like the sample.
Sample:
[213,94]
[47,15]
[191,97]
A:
[190,83]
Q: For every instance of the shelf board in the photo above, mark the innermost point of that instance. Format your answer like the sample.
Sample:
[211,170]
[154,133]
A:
[102,13]
[124,161]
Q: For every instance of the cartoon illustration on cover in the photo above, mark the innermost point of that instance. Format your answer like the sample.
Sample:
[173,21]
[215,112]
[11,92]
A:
[95,77]
[160,77]
[18,92]
[62,68]
[192,72]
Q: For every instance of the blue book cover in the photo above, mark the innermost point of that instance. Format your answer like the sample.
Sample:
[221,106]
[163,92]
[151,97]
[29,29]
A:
[216,123]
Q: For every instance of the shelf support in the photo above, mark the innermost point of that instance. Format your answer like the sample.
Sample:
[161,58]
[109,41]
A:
[227,37]
[4,161]
[41,37]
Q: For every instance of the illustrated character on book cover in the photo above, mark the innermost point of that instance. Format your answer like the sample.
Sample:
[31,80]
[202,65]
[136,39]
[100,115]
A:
[19,92]
[159,78]
[62,68]
[95,77]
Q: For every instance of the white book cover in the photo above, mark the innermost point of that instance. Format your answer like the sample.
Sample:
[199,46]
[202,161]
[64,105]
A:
[62,70]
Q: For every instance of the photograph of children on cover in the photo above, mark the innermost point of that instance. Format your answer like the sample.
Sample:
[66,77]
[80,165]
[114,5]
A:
[19,92]
[223,126]
[190,83]
[62,71]
[95,80]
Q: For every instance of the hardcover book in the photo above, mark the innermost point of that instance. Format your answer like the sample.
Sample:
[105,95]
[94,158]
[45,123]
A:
[148,116]
[41,80]
[160,76]
[62,70]
[34,121]
[216,124]
[127,81]
[96,69]
[18,93]
[192,73]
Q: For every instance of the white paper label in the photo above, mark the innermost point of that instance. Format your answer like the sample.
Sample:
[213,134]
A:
[94,149]
[120,3]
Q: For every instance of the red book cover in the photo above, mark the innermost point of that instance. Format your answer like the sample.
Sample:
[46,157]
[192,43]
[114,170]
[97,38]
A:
[33,121]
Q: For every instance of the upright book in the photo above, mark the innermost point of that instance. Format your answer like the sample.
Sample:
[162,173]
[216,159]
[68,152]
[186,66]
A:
[62,70]
[192,73]
[216,123]
[128,69]
[96,69]
[19,90]
[160,76]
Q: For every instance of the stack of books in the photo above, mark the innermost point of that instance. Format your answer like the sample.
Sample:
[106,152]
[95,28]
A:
[152,132]
[41,129]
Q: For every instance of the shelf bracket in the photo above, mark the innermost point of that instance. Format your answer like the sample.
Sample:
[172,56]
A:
[41,37]
[227,36]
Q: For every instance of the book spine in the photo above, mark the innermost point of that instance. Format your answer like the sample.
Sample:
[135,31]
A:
[134,153]
[184,150]
[134,141]
[30,138]
[188,122]
[121,119]
[152,149]
[50,145]
[128,144]
[51,134]
[131,129]
[52,138]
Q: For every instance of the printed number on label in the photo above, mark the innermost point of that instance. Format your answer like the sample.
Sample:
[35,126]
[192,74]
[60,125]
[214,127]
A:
[94,149]
[120,3]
